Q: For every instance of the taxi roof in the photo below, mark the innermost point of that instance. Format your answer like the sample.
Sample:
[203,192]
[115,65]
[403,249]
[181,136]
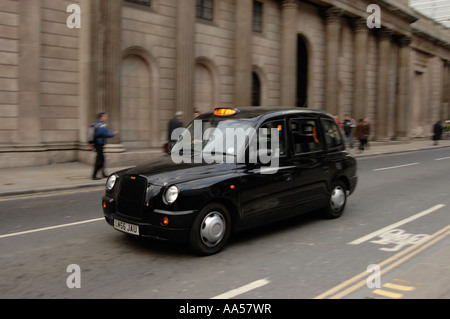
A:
[257,111]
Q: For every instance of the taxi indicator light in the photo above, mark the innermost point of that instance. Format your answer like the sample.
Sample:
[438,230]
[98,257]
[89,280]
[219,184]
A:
[165,221]
[225,112]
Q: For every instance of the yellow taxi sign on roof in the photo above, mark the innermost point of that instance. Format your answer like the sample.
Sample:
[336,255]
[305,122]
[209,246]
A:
[223,111]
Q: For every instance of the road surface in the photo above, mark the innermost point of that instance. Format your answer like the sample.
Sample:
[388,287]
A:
[401,202]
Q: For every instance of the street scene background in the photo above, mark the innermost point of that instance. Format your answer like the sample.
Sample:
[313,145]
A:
[141,62]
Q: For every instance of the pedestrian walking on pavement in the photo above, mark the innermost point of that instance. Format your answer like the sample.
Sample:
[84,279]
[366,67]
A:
[437,131]
[367,131]
[349,124]
[338,121]
[101,135]
[363,133]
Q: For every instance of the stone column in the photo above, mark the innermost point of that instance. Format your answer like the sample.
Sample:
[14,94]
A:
[88,66]
[112,56]
[384,55]
[185,64]
[333,18]
[360,68]
[29,72]
[403,110]
[446,92]
[289,16]
[243,53]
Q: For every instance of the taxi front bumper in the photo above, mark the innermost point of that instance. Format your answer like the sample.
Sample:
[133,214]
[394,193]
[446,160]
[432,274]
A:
[157,224]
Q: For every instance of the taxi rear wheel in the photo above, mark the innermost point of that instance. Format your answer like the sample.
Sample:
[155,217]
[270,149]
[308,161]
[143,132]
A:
[337,200]
[211,230]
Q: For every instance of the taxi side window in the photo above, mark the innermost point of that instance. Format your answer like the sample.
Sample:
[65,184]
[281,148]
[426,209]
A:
[266,140]
[305,136]
[333,138]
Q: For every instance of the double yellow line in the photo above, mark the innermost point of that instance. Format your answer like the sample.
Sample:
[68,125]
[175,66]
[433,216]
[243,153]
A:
[359,281]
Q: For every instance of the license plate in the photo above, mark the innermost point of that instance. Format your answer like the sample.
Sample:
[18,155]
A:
[125,227]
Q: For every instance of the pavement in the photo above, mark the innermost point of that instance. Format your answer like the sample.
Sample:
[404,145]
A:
[77,175]
[58,177]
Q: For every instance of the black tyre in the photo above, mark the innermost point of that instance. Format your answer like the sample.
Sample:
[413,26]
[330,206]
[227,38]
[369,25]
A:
[337,201]
[211,230]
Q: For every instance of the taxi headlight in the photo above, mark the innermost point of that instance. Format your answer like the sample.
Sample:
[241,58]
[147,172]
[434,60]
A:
[171,194]
[111,182]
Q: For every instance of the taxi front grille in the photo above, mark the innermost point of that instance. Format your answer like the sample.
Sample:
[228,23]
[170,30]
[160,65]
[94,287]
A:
[130,202]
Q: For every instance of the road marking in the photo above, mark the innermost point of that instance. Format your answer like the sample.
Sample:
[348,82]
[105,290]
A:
[442,159]
[359,281]
[241,290]
[51,227]
[388,294]
[391,294]
[394,167]
[398,287]
[399,238]
[398,224]
[23,197]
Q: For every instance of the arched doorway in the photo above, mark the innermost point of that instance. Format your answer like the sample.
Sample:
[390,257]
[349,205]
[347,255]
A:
[256,90]
[302,72]
[206,85]
[204,89]
[135,103]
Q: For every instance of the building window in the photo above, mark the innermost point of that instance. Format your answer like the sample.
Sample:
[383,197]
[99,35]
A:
[205,9]
[257,16]
[140,2]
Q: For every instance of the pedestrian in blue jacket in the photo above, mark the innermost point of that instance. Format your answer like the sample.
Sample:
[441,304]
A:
[101,134]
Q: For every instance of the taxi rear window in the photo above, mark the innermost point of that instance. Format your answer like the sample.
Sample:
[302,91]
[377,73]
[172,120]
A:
[333,137]
[305,136]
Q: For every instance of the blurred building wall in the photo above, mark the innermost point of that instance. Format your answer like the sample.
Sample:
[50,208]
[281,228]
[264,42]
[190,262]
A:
[142,62]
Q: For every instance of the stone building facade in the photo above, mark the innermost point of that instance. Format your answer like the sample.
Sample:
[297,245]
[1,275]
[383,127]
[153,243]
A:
[143,60]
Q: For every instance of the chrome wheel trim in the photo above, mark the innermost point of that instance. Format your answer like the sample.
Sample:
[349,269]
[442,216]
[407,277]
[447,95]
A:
[338,198]
[213,229]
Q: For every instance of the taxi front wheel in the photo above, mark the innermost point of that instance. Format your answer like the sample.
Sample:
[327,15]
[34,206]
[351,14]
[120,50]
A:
[337,200]
[211,230]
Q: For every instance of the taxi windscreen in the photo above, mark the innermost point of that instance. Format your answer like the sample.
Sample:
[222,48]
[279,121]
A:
[214,136]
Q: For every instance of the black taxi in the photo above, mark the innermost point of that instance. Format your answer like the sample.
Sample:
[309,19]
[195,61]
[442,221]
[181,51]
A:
[233,169]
